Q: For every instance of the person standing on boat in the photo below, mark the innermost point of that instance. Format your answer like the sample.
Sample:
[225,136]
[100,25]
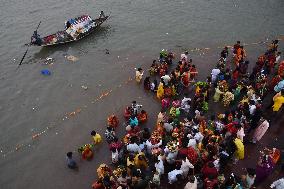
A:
[68,25]
[102,15]
[100,19]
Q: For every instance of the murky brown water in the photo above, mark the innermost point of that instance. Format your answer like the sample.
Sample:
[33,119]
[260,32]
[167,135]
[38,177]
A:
[31,103]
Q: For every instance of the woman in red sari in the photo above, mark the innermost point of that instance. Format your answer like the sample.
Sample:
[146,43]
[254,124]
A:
[281,69]
[142,116]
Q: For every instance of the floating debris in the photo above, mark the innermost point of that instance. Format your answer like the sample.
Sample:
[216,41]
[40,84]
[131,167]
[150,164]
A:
[48,61]
[45,72]
[84,87]
[72,58]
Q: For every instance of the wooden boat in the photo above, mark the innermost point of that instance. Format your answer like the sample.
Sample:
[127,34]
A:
[75,29]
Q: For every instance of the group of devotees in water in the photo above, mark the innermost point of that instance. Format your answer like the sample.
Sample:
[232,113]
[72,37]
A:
[192,144]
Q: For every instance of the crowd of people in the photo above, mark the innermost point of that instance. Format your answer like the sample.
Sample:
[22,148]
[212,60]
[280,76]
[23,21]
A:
[185,148]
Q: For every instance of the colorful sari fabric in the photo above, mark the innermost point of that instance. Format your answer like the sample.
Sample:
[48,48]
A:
[228,97]
[142,117]
[274,81]
[281,69]
[165,103]
[185,79]
[217,94]
[264,169]
[174,91]
[240,151]
[160,91]
[168,91]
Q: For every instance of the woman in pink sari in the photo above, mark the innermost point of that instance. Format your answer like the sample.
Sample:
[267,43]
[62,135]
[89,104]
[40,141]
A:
[260,130]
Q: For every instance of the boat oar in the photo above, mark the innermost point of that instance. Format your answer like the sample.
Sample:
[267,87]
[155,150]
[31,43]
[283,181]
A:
[38,26]
[28,46]
[24,56]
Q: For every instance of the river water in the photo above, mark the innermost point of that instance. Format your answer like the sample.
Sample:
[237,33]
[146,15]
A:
[35,105]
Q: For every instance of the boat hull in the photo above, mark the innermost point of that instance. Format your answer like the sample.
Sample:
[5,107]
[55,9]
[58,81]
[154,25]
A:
[63,37]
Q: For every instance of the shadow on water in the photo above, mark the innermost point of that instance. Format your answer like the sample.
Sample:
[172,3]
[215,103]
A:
[89,41]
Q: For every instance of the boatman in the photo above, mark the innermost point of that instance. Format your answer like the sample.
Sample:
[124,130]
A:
[100,19]
[35,39]
[102,15]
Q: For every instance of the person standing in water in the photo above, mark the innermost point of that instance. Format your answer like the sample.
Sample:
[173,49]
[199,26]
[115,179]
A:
[70,161]
[139,74]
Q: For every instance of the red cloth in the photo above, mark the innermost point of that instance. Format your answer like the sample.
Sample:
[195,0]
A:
[97,185]
[274,81]
[182,152]
[87,154]
[235,75]
[127,113]
[185,79]
[206,171]
[115,145]
[281,69]
[231,128]
[192,73]
[142,117]
[210,184]
[190,153]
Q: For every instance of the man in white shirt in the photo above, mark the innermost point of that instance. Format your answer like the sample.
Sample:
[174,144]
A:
[133,147]
[278,184]
[191,142]
[252,107]
[184,56]
[168,127]
[174,175]
[214,73]
[219,126]
[150,146]
[159,165]
[198,137]
[278,56]
[166,79]
[185,104]
[192,183]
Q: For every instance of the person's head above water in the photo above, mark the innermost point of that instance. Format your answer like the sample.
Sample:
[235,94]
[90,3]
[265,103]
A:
[93,133]
[69,154]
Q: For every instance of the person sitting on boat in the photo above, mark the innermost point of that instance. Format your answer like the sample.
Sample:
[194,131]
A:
[35,39]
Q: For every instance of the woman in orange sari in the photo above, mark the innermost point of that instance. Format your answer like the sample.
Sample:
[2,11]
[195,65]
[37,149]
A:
[112,121]
[142,117]
[185,78]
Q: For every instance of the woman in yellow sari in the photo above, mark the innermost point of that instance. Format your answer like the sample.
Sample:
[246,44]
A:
[160,91]
[240,151]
